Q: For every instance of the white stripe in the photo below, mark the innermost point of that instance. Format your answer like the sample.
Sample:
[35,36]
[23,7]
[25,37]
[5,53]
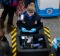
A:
[22,17]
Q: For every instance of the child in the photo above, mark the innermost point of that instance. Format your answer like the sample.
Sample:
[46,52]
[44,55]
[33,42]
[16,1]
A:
[30,21]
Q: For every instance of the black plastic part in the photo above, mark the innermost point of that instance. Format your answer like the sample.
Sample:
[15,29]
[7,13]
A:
[36,52]
[58,51]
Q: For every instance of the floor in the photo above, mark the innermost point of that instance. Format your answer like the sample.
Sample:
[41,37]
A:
[54,26]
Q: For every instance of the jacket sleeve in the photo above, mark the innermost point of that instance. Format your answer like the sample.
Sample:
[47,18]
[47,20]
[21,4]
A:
[39,23]
[19,24]
[20,21]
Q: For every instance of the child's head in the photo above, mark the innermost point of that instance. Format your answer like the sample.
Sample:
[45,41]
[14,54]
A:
[31,8]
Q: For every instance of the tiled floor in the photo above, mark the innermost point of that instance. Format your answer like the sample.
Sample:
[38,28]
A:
[54,26]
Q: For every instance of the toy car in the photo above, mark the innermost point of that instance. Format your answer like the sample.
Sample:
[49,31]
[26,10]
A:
[56,45]
[32,44]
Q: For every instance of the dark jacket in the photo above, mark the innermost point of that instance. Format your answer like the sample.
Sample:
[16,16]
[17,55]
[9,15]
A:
[34,22]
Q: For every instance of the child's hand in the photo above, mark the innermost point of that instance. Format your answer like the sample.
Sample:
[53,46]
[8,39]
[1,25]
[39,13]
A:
[23,29]
[33,30]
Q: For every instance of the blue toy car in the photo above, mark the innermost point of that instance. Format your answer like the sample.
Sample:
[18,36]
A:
[56,46]
[56,43]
